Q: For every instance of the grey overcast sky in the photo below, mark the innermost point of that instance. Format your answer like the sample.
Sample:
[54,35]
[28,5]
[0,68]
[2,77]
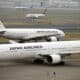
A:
[37,0]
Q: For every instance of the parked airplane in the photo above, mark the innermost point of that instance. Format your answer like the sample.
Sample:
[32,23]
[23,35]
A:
[36,15]
[49,52]
[30,34]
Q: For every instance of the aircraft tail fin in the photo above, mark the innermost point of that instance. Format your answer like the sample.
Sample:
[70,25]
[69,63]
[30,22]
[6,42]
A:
[45,11]
[2,27]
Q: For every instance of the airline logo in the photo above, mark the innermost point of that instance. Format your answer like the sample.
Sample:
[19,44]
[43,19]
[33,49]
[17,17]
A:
[47,32]
[26,47]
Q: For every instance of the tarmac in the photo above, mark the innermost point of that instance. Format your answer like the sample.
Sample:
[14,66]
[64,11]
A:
[31,71]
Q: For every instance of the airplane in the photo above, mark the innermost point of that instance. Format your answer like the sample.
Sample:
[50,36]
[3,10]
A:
[30,34]
[48,52]
[36,15]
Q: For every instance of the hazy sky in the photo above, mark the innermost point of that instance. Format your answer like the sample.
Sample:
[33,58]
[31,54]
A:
[33,0]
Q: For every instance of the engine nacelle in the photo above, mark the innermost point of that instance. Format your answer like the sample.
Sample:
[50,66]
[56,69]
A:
[54,59]
[52,39]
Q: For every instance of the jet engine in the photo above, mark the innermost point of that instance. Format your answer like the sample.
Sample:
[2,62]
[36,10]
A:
[54,59]
[52,38]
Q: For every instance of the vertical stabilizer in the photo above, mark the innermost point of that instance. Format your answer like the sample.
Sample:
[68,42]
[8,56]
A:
[45,11]
[2,27]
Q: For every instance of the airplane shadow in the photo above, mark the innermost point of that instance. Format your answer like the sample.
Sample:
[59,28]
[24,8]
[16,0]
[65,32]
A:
[29,63]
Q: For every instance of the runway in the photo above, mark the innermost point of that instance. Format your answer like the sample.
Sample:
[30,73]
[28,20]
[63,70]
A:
[67,20]
[31,71]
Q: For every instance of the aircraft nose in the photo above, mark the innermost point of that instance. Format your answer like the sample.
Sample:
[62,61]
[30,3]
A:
[62,33]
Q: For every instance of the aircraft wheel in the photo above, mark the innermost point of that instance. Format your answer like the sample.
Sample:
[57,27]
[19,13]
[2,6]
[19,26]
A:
[38,61]
[62,63]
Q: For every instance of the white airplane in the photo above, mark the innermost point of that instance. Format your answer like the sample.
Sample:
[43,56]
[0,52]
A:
[48,52]
[36,15]
[30,34]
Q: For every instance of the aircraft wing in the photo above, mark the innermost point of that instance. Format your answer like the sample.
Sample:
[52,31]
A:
[39,36]
[69,50]
[13,42]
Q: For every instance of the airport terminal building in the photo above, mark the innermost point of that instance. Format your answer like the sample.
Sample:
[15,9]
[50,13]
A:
[41,3]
